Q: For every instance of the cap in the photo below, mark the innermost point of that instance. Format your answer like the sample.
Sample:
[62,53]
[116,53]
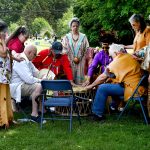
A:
[57,47]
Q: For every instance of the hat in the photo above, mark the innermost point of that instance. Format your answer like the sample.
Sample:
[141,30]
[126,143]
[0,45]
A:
[57,47]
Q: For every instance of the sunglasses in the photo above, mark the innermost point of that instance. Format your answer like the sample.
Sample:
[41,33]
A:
[105,47]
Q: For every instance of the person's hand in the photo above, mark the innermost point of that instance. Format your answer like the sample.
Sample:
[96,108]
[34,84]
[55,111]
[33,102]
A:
[137,58]
[86,83]
[149,79]
[73,84]
[19,59]
[45,77]
[86,88]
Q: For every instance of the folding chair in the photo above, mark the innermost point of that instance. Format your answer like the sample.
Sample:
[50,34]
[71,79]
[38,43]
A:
[68,100]
[136,98]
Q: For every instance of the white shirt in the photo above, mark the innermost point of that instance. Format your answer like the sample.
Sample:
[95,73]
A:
[22,72]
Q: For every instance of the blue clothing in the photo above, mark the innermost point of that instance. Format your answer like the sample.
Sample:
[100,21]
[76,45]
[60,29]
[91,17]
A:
[103,91]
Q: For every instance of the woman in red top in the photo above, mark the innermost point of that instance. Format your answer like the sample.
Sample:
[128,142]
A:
[53,59]
[15,41]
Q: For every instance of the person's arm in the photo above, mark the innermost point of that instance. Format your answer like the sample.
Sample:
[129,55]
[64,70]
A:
[91,69]
[90,55]
[24,72]
[3,49]
[149,78]
[101,79]
[96,61]
[35,70]
[73,84]
[148,38]
[16,56]
[66,67]
[86,42]
[128,46]
[65,45]
[38,60]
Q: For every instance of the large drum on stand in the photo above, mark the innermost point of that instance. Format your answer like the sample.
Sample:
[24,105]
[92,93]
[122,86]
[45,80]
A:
[47,74]
[84,102]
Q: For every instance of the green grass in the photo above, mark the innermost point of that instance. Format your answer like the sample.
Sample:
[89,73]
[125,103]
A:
[40,44]
[128,134]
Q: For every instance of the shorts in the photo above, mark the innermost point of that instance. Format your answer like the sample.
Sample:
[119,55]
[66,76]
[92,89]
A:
[28,89]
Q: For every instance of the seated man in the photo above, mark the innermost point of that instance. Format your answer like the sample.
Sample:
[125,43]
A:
[127,74]
[53,59]
[24,80]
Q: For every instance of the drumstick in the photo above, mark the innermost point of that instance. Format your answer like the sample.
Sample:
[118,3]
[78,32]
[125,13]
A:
[44,59]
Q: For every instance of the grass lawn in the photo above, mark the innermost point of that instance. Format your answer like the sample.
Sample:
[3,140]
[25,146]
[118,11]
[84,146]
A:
[127,134]
[40,44]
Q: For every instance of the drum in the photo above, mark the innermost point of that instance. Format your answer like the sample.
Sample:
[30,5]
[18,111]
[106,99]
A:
[84,102]
[46,73]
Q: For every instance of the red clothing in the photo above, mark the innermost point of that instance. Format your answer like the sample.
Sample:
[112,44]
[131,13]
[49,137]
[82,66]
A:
[44,60]
[16,45]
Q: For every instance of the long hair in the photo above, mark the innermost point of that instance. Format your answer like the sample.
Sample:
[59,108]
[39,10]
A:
[138,18]
[20,30]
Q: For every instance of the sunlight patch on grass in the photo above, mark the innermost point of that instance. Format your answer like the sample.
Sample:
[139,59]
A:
[40,44]
[11,132]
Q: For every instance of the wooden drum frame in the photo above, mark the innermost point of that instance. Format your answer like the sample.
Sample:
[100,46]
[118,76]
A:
[84,102]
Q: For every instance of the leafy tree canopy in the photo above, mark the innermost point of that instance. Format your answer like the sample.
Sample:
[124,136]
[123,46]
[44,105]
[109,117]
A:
[63,23]
[109,15]
[40,25]
[25,11]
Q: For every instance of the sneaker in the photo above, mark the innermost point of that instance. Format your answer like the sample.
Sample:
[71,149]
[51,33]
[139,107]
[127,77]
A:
[37,119]
[95,117]
[120,109]
[113,107]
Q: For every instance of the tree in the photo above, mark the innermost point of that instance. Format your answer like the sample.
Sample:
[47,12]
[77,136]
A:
[55,10]
[40,25]
[51,10]
[13,27]
[63,23]
[10,10]
[109,15]
[13,11]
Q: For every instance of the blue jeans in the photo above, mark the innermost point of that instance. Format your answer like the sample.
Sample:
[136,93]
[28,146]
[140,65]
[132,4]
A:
[103,91]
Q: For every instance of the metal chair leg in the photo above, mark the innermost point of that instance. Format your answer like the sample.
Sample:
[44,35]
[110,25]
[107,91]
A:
[123,110]
[70,127]
[42,115]
[144,115]
[77,111]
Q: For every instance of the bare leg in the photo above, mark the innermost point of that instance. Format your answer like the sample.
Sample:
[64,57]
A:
[35,93]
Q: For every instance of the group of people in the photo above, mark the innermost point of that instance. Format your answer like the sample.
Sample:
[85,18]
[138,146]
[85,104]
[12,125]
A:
[118,74]
[126,69]
[9,52]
